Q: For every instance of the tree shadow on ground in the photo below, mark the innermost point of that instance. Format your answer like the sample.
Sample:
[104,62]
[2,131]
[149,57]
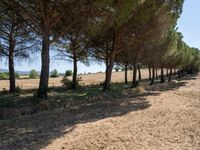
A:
[161,87]
[188,77]
[39,130]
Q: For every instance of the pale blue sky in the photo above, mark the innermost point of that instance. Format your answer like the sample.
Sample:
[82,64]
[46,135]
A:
[188,24]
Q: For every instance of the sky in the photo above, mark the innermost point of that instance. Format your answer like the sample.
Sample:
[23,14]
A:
[188,25]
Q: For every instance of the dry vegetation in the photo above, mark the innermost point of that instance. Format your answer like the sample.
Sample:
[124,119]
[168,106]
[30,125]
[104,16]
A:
[88,79]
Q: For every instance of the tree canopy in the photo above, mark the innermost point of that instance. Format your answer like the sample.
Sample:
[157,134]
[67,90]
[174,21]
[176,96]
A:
[116,32]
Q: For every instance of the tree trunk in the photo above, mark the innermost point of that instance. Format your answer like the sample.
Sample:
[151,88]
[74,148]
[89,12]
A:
[167,72]
[170,74]
[107,81]
[126,74]
[156,74]
[11,69]
[109,68]
[44,76]
[182,72]
[179,73]
[74,80]
[153,76]
[174,71]
[149,73]
[139,71]
[162,80]
[109,64]
[134,81]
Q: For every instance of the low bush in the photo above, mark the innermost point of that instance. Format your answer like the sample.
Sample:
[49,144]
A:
[54,74]
[18,89]
[139,89]
[65,81]
[17,76]
[4,75]
[33,74]
[68,83]
[68,73]
[117,69]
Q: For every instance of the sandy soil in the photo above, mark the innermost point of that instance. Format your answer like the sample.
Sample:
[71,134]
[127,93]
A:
[155,120]
[86,80]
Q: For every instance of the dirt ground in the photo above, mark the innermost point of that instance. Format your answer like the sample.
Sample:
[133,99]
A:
[154,120]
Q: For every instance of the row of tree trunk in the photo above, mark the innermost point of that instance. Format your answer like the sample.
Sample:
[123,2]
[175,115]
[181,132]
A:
[153,75]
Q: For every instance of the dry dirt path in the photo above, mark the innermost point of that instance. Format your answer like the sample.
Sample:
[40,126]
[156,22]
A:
[172,122]
[168,120]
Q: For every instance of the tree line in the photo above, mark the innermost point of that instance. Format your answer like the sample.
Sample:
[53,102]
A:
[127,33]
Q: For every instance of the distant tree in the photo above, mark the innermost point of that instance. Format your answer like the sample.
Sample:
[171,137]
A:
[68,73]
[16,41]
[4,76]
[33,74]
[54,74]
[72,48]
[117,69]
[152,17]
[155,49]
[17,75]
[123,59]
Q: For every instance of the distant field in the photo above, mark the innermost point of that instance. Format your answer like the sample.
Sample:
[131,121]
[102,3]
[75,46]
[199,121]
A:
[88,79]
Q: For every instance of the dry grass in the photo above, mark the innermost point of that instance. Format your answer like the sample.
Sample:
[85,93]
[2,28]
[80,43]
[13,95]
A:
[140,89]
[88,79]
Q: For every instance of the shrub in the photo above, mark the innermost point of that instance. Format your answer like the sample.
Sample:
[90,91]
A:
[68,73]
[17,76]
[33,74]
[4,75]
[101,83]
[66,82]
[18,89]
[139,89]
[78,81]
[4,92]
[54,74]
[117,69]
